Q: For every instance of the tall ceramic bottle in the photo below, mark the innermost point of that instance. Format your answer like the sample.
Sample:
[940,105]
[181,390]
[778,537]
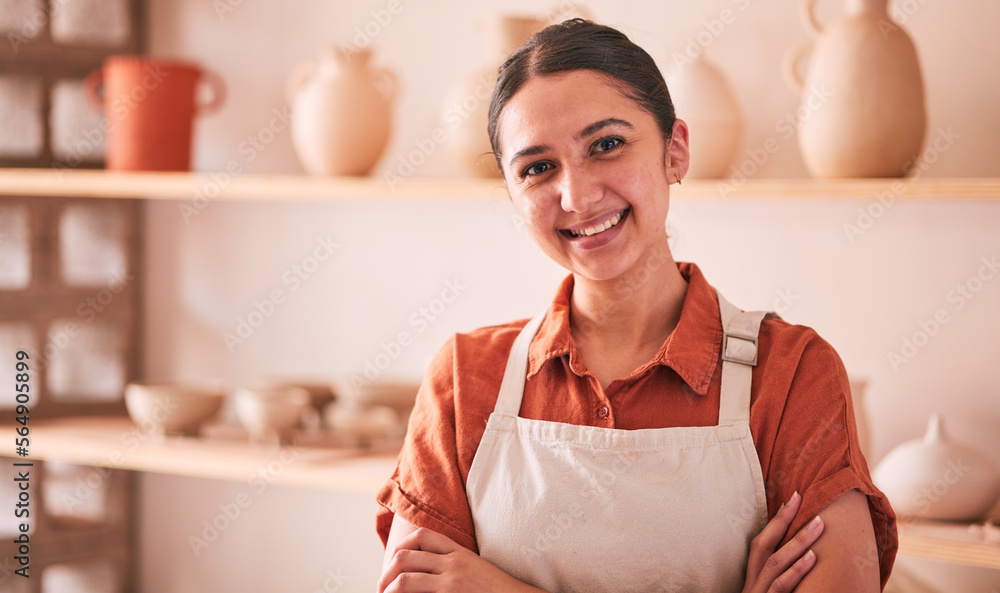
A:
[862,112]
[341,112]
[466,107]
[704,99]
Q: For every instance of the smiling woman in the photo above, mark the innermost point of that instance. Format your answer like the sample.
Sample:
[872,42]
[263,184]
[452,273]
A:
[641,434]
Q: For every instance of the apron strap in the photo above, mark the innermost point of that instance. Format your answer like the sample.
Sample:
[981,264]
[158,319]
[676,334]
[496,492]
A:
[512,388]
[739,356]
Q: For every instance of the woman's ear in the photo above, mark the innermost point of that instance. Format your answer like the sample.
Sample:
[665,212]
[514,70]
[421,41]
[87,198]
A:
[678,154]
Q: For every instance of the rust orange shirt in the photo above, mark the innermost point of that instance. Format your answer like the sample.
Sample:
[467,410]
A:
[801,415]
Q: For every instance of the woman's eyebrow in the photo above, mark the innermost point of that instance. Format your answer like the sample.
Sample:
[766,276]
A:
[600,125]
[587,131]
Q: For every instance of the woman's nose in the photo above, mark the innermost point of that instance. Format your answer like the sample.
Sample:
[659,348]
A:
[579,190]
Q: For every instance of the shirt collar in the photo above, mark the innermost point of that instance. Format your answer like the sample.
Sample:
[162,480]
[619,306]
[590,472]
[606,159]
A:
[691,350]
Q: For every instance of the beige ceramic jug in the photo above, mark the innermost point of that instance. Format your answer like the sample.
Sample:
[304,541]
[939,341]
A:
[341,112]
[466,107]
[862,112]
[704,99]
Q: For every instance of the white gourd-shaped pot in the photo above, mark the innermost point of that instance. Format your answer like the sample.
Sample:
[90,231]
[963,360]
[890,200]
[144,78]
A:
[466,106]
[936,478]
[341,112]
[704,99]
[862,111]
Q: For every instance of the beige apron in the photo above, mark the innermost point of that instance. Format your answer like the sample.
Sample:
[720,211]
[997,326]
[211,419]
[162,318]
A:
[571,508]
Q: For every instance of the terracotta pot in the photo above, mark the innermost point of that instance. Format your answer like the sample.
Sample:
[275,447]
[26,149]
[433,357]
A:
[936,478]
[705,100]
[341,112]
[863,112]
[150,106]
[466,108]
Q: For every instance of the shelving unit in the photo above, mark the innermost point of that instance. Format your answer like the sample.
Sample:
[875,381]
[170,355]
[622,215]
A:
[98,441]
[115,442]
[225,187]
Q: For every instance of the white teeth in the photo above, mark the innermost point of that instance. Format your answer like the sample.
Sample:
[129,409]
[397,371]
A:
[607,224]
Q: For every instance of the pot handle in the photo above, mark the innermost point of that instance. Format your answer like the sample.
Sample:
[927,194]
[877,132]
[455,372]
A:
[808,14]
[298,77]
[388,83]
[791,67]
[218,87]
[91,84]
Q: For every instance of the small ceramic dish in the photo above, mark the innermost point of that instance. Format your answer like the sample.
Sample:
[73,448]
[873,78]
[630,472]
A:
[270,413]
[173,408]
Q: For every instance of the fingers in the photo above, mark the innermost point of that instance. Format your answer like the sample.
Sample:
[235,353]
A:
[429,541]
[786,567]
[417,553]
[766,542]
[407,562]
[791,577]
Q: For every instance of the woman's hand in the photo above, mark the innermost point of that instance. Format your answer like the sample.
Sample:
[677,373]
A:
[427,562]
[779,571]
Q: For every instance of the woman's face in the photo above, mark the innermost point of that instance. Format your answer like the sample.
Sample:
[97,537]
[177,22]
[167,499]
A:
[589,170]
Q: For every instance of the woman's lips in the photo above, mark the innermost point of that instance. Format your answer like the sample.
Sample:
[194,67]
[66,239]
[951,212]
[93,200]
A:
[599,228]
[598,238]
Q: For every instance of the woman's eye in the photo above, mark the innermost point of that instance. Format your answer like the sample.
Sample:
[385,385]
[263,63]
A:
[535,169]
[607,144]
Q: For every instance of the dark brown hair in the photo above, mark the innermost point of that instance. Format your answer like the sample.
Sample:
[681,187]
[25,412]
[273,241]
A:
[579,44]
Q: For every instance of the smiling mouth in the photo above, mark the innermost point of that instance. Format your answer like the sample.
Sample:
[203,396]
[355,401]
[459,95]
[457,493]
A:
[600,228]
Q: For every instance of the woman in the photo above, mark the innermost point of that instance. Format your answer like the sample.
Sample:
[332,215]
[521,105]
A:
[624,440]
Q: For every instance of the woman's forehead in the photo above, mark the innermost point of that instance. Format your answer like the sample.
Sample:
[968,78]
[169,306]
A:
[565,102]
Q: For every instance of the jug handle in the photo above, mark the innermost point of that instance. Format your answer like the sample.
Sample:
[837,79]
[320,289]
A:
[808,15]
[297,79]
[91,84]
[218,87]
[388,83]
[791,67]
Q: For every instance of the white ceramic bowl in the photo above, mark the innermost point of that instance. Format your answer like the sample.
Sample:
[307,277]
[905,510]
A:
[173,408]
[269,413]
[398,395]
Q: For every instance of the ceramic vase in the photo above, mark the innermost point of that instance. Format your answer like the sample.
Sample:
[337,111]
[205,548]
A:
[937,478]
[862,111]
[341,112]
[466,107]
[150,105]
[704,99]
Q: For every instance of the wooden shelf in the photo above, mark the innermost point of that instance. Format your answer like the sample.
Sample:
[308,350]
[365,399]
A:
[956,543]
[116,442]
[226,187]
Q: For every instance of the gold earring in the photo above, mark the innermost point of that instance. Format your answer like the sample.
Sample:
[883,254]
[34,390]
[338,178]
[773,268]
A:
[678,181]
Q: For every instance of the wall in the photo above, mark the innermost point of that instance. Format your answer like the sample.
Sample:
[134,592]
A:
[866,293]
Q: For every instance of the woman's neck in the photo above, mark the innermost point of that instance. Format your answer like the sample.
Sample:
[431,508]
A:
[636,311]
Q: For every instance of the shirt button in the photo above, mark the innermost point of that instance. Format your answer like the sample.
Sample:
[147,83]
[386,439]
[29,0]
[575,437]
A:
[603,411]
